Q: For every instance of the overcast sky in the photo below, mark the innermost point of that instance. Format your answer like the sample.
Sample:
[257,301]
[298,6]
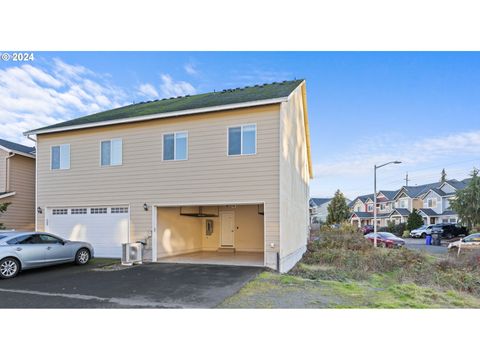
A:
[364,108]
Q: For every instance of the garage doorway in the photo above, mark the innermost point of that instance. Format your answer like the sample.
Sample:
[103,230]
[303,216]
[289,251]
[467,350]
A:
[227,234]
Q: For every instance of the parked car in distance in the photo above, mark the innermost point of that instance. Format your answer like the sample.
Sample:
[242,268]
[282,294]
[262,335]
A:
[27,250]
[367,229]
[386,239]
[470,242]
[420,232]
[448,231]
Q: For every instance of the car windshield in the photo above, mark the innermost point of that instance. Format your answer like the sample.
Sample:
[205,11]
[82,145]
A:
[386,234]
[472,237]
[423,227]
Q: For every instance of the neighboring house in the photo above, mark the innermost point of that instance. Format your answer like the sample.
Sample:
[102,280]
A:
[431,200]
[218,173]
[17,185]
[362,208]
[319,211]
[436,202]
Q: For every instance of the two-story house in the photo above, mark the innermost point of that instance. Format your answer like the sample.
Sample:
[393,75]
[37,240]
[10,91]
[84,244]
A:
[362,208]
[17,185]
[319,211]
[431,200]
[436,202]
[221,177]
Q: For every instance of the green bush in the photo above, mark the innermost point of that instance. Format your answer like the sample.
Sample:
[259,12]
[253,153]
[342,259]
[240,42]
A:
[342,255]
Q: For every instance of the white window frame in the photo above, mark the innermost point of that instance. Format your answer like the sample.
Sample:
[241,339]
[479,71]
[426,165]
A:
[174,133]
[241,139]
[433,200]
[111,149]
[69,157]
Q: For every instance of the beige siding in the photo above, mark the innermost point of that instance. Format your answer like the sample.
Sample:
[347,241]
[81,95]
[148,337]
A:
[20,214]
[3,171]
[294,181]
[208,176]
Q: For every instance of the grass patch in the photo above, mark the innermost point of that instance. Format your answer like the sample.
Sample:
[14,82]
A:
[343,270]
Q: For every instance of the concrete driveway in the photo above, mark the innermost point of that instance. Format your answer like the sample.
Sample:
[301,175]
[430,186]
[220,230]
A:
[144,286]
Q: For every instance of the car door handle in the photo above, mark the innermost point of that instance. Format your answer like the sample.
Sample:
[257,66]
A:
[18,249]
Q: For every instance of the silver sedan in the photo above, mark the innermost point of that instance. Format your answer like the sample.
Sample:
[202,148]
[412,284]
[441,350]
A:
[26,250]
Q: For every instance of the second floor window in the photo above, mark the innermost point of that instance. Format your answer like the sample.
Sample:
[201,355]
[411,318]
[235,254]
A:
[370,207]
[242,140]
[60,157]
[431,203]
[111,152]
[175,146]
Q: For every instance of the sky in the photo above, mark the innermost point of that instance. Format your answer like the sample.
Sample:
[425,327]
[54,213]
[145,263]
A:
[365,108]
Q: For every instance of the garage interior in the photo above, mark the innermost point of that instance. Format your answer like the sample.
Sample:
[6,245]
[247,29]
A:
[213,234]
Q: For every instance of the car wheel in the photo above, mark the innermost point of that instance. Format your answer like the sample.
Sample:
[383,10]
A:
[82,257]
[9,268]
[424,235]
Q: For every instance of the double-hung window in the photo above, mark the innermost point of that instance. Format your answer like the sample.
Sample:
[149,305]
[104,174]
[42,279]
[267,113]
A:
[60,157]
[242,140]
[111,152]
[175,146]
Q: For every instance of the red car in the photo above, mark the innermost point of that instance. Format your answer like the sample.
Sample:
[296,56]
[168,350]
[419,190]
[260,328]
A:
[367,229]
[386,239]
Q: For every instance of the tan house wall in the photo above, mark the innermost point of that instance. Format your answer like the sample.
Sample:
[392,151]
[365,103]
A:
[208,176]
[417,204]
[177,234]
[249,235]
[3,171]
[20,214]
[294,181]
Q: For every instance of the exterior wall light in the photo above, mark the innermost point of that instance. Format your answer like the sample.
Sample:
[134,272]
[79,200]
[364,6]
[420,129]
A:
[145,207]
[39,210]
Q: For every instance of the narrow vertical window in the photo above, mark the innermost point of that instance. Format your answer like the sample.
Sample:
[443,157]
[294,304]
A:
[60,157]
[111,152]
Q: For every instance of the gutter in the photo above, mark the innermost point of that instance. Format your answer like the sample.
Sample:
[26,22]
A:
[158,116]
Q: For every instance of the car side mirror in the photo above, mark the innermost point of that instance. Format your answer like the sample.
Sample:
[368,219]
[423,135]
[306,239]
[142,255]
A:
[462,240]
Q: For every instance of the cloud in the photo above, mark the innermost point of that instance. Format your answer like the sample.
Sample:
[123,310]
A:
[190,69]
[171,88]
[148,90]
[424,158]
[35,96]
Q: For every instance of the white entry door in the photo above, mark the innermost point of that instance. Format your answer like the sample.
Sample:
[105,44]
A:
[227,220]
[105,227]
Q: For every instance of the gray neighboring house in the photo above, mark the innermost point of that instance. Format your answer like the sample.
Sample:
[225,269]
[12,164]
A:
[319,211]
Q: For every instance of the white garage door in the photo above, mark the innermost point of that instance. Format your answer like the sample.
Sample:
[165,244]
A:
[105,227]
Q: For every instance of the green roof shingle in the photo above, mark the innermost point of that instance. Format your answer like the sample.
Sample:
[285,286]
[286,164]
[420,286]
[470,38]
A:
[219,98]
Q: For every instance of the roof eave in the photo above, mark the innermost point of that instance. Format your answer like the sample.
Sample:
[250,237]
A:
[17,152]
[159,116]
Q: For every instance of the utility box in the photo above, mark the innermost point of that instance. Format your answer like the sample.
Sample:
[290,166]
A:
[132,253]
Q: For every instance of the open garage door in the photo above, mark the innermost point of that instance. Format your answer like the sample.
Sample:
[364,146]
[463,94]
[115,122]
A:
[221,235]
[105,227]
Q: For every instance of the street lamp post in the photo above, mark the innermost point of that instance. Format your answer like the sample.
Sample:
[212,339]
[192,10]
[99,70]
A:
[375,167]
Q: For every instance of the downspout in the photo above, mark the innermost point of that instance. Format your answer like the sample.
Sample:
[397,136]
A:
[7,171]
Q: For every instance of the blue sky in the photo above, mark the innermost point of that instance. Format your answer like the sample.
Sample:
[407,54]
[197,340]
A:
[364,107]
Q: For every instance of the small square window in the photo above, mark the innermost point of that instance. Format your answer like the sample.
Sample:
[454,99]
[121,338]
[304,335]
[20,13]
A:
[242,140]
[175,146]
[111,152]
[98,210]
